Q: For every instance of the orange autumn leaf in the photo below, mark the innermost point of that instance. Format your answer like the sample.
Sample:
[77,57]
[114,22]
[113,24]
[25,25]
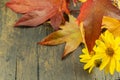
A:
[70,34]
[91,14]
[37,12]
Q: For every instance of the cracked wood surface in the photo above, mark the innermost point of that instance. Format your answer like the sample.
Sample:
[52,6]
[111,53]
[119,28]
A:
[22,59]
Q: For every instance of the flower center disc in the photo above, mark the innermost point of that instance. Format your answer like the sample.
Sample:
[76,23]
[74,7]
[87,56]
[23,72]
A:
[110,51]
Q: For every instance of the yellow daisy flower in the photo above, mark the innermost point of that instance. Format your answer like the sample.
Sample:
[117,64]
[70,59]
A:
[89,59]
[108,49]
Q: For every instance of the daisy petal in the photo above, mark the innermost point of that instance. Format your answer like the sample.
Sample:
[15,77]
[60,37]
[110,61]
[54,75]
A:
[112,66]
[118,66]
[104,62]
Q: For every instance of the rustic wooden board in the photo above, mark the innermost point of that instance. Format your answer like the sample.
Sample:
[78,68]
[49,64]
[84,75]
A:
[22,59]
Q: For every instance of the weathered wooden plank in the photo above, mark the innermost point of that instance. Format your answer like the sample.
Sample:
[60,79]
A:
[51,67]
[26,58]
[100,75]
[7,49]
[18,58]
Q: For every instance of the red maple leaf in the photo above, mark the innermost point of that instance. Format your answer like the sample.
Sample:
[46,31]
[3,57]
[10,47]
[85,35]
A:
[91,14]
[35,12]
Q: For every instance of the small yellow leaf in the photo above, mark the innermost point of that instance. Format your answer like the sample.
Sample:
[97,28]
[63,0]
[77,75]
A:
[69,33]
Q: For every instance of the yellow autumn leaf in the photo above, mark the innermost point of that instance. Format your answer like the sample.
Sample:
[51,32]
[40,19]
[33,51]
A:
[112,24]
[70,33]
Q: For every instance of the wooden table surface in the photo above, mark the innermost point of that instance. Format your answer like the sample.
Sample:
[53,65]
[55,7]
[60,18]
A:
[22,59]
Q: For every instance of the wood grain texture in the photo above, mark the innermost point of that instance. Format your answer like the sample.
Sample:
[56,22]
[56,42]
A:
[22,59]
